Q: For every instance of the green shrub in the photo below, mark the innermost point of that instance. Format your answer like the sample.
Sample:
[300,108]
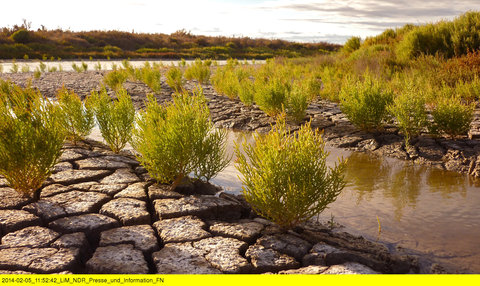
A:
[37,74]
[285,177]
[297,103]
[14,68]
[21,36]
[98,66]
[1,68]
[199,71]
[115,79]
[115,118]
[469,91]
[42,66]
[52,69]
[271,95]
[351,45]
[150,76]
[31,138]
[78,118]
[246,91]
[409,109]
[178,139]
[174,77]
[365,102]
[25,69]
[451,116]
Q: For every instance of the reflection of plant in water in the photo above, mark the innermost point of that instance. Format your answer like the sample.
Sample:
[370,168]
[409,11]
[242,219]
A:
[365,173]
[404,188]
[446,183]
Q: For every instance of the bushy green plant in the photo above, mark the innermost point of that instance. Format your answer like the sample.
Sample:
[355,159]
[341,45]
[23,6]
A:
[409,109]
[199,71]
[14,68]
[174,77]
[285,177]
[1,68]
[365,102]
[150,76]
[21,36]
[31,138]
[451,116]
[297,103]
[178,139]
[37,73]
[42,66]
[78,119]
[98,66]
[246,91]
[25,69]
[271,95]
[351,45]
[115,79]
[115,118]
[52,69]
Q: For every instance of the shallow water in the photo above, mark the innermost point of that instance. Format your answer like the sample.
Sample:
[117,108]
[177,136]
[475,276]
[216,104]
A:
[106,64]
[421,209]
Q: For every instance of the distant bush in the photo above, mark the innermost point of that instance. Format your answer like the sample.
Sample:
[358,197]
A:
[451,116]
[246,91]
[21,36]
[198,71]
[174,77]
[115,79]
[351,45]
[365,102]
[179,139]
[82,68]
[115,118]
[150,76]
[285,177]
[31,138]
[78,119]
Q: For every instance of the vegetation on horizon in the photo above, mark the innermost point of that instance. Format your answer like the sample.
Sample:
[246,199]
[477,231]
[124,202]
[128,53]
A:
[20,41]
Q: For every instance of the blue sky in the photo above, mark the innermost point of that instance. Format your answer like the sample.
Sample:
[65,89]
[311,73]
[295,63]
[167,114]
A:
[301,20]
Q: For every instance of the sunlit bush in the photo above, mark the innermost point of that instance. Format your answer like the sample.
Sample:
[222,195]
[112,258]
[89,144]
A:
[115,118]
[451,116]
[365,102]
[271,95]
[31,138]
[285,177]
[409,108]
[198,71]
[174,77]
[179,139]
[115,79]
[78,116]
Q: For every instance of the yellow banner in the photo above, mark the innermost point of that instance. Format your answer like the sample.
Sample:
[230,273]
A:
[243,280]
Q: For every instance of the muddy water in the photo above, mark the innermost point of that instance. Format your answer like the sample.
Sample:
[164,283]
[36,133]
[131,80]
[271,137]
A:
[426,211]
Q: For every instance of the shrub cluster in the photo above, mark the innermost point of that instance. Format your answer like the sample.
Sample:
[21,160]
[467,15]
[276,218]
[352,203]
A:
[179,139]
[78,116]
[285,175]
[199,71]
[31,138]
[115,118]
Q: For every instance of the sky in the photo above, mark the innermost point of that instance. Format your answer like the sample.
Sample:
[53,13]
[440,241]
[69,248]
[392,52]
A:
[302,20]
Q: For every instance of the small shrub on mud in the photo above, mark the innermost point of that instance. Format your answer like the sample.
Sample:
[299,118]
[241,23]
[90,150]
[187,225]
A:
[271,95]
[451,116]
[174,77]
[365,102]
[409,109]
[78,119]
[285,177]
[179,139]
[199,71]
[150,76]
[115,79]
[115,118]
[297,103]
[31,138]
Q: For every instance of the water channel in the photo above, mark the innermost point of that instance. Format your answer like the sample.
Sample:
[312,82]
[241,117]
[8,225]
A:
[424,210]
